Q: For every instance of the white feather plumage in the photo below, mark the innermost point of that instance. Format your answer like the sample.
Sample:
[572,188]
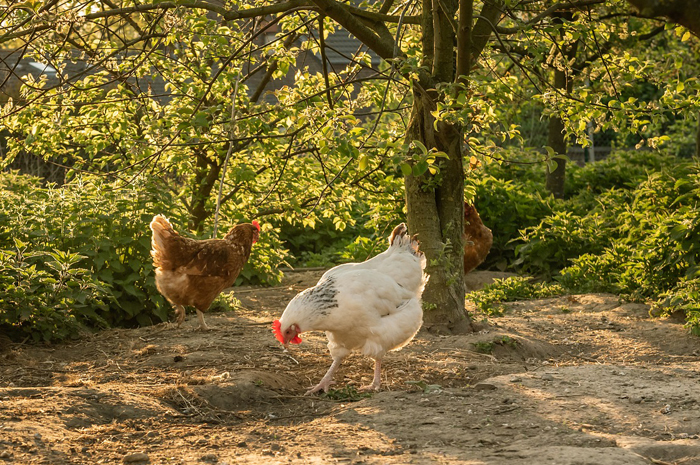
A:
[372,307]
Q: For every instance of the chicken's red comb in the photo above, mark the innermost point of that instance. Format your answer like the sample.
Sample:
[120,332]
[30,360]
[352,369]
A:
[256,224]
[276,328]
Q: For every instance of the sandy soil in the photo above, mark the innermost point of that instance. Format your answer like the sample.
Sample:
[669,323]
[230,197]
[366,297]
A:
[574,380]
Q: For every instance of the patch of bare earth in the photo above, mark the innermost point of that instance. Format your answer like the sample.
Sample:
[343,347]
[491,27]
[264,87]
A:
[574,380]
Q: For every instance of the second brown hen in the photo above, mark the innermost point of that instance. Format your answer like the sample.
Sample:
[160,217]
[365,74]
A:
[193,272]
[477,239]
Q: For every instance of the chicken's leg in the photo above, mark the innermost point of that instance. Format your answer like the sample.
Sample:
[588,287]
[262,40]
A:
[202,325]
[327,379]
[377,377]
[179,314]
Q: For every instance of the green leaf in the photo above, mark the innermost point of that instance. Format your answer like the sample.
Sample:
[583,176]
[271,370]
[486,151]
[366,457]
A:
[364,161]
[421,147]
[420,168]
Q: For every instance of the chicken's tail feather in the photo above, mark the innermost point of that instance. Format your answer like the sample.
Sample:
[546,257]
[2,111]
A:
[162,231]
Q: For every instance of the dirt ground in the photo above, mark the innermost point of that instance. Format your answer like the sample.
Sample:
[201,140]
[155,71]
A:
[583,379]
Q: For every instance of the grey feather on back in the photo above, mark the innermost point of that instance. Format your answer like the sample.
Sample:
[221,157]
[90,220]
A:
[322,297]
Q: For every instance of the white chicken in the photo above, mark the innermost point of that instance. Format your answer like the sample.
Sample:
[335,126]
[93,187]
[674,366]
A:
[373,306]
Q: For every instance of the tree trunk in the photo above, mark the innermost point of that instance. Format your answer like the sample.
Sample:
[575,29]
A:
[434,204]
[205,177]
[556,171]
[563,82]
[435,201]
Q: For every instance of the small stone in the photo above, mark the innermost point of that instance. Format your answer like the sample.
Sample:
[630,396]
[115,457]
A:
[242,444]
[136,457]
[211,458]
[666,410]
[5,454]
[37,436]
[485,387]
[178,358]
[547,377]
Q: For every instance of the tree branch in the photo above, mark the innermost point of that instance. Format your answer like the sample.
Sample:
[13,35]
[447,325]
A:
[684,12]
[548,12]
[464,38]
[487,20]
[365,34]
[225,13]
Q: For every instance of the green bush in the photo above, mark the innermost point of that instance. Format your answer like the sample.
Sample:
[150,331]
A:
[102,233]
[549,246]
[620,170]
[630,225]
[654,240]
[506,207]
[489,299]
[47,296]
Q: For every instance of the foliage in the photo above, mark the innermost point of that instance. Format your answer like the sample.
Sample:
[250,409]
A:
[591,218]
[550,245]
[622,169]
[326,245]
[321,157]
[101,274]
[509,196]
[640,242]
[48,299]
[489,299]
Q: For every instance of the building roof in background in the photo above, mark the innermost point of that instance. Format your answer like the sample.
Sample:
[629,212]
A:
[342,45]
[15,65]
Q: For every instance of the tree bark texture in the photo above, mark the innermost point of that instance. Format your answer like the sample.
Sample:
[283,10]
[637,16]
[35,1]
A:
[556,172]
[683,12]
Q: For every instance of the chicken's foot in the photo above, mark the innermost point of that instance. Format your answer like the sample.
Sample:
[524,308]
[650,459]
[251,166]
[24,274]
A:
[327,379]
[179,315]
[202,325]
[377,377]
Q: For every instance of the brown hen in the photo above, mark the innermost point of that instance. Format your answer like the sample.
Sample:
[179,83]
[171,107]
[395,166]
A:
[193,272]
[477,239]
